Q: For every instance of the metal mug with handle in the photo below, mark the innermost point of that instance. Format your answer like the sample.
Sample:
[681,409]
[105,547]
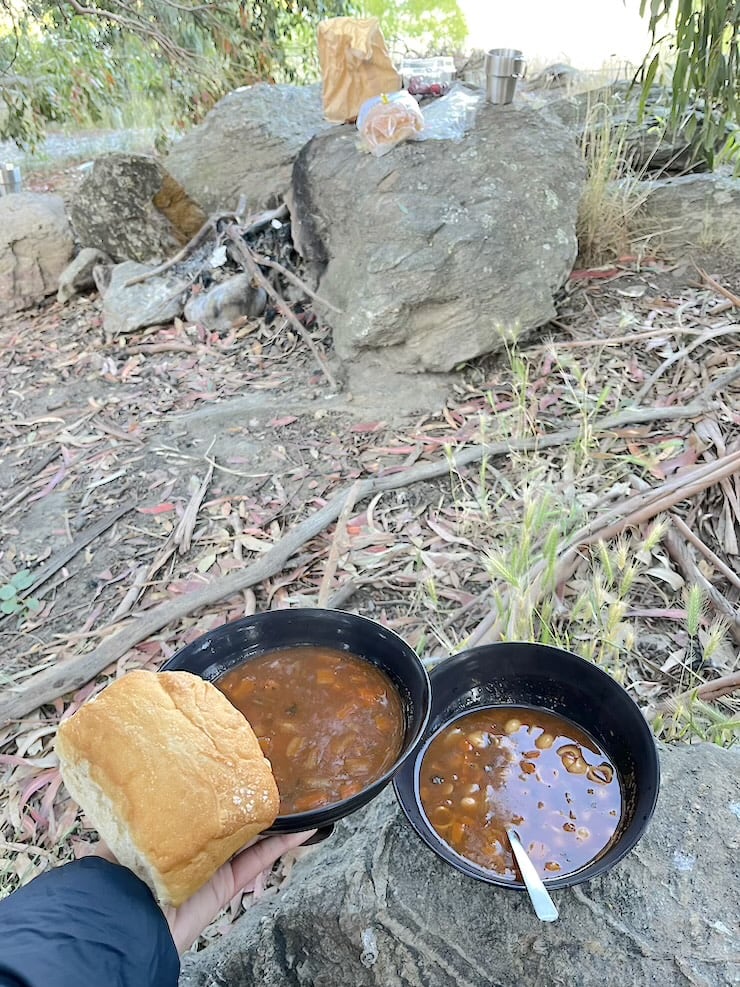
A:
[504,66]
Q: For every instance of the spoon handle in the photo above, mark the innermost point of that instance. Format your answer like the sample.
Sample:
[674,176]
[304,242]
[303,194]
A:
[542,903]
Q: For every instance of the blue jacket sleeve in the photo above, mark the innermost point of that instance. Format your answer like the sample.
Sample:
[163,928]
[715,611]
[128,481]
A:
[90,923]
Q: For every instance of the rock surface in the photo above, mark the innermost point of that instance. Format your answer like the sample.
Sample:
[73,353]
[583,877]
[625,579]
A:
[439,252]
[131,208]
[149,303]
[78,276]
[372,907]
[647,143]
[247,145]
[695,213]
[36,244]
[222,305]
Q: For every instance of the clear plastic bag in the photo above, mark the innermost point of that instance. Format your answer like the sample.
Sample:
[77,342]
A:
[388,119]
[451,116]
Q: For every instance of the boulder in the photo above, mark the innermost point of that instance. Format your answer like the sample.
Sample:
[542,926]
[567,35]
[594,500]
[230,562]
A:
[439,252]
[36,244]
[79,275]
[373,907]
[153,302]
[223,304]
[694,213]
[131,208]
[246,146]
[646,141]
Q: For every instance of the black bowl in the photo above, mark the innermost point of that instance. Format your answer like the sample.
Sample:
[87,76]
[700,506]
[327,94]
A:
[217,652]
[555,680]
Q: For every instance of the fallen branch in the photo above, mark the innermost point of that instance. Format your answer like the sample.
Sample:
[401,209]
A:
[705,550]
[81,541]
[289,276]
[707,691]
[252,268]
[680,553]
[720,289]
[680,354]
[336,547]
[210,226]
[634,510]
[72,674]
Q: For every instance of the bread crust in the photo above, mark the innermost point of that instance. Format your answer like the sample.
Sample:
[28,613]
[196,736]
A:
[171,775]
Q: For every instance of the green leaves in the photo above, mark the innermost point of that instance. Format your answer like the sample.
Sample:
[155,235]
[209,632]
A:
[11,592]
[179,55]
[705,81]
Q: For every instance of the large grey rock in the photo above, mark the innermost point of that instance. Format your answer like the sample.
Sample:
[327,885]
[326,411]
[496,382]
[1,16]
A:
[438,251]
[247,145]
[695,213]
[153,302]
[130,207]
[36,244]
[373,907]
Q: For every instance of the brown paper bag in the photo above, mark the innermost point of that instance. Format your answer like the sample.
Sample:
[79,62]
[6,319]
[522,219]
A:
[355,66]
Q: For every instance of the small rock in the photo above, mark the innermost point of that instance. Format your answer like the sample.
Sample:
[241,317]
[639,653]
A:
[130,207]
[36,244]
[149,303]
[79,276]
[223,304]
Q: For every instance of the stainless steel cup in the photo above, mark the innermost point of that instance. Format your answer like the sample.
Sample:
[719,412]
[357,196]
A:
[10,179]
[503,67]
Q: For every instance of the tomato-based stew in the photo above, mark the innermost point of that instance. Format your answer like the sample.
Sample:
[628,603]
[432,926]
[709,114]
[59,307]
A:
[329,722]
[525,768]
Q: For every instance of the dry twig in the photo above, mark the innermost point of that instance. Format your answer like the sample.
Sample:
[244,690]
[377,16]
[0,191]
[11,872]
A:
[707,691]
[680,553]
[720,289]
[252,268]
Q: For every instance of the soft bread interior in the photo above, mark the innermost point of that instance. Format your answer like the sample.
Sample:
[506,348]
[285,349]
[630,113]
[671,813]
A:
[101,810]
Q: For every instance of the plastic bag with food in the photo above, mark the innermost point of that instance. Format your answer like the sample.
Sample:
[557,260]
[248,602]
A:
[388,119]
[355,65]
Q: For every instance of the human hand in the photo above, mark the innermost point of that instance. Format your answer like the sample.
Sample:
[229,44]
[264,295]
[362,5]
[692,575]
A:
[191,918]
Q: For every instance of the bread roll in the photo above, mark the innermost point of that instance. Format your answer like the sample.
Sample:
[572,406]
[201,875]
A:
[171,775]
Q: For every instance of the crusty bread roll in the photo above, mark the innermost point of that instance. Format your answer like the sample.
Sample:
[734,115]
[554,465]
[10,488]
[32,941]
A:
[171,775]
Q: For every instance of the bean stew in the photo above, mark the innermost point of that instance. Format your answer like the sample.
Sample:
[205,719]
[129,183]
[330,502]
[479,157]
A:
[526,768]
[329,722]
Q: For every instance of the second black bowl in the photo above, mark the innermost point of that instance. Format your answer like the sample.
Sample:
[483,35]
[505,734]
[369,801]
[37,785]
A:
[522,674]
[217,652]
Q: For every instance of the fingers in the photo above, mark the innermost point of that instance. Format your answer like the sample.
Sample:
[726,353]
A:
[250,862]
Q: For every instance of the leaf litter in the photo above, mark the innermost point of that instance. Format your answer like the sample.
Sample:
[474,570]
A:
[91,423]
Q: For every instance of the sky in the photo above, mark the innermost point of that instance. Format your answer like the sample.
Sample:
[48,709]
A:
[584,33]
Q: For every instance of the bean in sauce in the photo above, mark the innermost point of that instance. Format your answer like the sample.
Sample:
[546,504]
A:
[329,722]
[527,768]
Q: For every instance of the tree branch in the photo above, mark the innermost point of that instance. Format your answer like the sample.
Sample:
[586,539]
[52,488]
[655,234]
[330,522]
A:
[46,686]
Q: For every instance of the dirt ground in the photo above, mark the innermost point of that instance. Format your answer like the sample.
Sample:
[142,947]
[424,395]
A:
[198,452]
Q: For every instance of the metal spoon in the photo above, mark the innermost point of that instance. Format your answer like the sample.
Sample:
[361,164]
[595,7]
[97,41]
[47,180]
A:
[542,903]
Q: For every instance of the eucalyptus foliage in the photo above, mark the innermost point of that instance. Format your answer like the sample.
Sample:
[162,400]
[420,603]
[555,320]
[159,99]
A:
[73,60]
[419,27]
[700,40]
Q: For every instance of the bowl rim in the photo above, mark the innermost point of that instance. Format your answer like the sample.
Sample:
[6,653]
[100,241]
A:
[407,776]
[334,811]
